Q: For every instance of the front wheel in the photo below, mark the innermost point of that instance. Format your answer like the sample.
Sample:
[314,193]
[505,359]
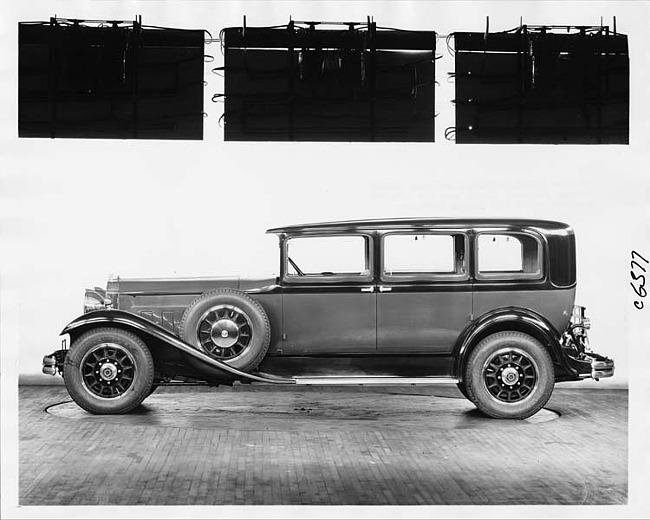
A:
[509,375]
[108,371]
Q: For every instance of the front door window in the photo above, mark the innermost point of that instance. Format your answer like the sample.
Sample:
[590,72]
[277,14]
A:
[330,258]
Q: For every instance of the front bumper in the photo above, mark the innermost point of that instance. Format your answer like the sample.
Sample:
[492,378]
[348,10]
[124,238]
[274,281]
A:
[53,363]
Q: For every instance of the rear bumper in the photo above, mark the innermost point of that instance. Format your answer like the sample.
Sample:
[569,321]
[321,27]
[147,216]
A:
[602,368]
[592,366]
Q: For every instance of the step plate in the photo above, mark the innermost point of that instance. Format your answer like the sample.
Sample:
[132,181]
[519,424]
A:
[374,380]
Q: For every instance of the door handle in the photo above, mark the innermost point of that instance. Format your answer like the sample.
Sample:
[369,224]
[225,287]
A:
[385,289]
[368,289]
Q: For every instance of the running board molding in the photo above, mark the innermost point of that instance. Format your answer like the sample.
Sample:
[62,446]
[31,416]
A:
[373,380]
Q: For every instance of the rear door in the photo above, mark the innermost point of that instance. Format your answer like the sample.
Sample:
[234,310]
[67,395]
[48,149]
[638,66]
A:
[424,297]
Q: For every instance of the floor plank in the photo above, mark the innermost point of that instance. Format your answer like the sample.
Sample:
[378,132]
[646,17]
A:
[320,446]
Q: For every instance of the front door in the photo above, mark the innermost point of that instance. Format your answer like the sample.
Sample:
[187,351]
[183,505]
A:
[328,299]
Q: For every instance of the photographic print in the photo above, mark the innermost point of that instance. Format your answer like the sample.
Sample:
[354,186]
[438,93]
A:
[267,259]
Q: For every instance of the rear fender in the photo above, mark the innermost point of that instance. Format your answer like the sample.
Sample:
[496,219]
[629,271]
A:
[509,318]
[212,368]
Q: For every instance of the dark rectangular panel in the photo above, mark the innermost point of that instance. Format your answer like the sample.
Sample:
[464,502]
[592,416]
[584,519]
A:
[109,80]
[295,36]
[309,319]
[536,86]
[307,84]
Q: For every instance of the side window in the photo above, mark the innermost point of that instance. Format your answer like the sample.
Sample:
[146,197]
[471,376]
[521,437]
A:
[508,255]
[425,255]
[328,257]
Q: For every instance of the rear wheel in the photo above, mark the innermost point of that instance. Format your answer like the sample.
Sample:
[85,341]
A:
[509,375]
[108,371]
[463,389]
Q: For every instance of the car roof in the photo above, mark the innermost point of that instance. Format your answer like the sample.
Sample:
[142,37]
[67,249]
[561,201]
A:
[411,223]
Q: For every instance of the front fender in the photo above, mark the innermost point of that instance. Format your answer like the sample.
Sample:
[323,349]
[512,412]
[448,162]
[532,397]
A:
[126,320]
[513,318]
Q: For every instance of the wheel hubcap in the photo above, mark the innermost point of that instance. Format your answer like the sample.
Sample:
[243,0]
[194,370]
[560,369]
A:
[107,370]
[510,375]
[224,331]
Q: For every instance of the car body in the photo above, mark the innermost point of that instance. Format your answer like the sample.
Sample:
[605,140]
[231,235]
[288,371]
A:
[488,303]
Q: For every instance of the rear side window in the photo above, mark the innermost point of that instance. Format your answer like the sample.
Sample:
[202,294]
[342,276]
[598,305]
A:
[562,255]
[425,255]
[508,255]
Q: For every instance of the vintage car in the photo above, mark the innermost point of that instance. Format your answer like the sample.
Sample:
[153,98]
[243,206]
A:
[485,303]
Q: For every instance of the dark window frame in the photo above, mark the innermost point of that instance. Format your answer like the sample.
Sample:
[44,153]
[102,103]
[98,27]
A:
[451,276]
[315,279]
[510,275]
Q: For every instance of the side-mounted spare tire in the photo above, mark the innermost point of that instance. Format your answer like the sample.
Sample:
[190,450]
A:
[229,326]
[108,371]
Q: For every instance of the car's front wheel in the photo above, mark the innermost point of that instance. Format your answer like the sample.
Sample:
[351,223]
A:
[108,371]
[509,375]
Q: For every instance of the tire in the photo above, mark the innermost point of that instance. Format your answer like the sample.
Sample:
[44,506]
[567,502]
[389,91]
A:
[504,358]
[463,389]
[153,389]
[108,371]
[229,326]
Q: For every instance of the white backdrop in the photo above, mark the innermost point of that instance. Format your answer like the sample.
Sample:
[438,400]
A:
[75,211]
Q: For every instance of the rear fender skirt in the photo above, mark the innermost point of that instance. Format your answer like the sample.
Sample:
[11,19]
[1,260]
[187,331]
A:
[211,367]
[520,319]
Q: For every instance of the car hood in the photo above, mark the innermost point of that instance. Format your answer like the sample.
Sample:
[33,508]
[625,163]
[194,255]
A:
[139,286]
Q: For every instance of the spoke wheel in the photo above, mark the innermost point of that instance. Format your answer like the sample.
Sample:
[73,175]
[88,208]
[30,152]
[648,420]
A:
[224,331]
[229,326]
[510,375]
[107,370]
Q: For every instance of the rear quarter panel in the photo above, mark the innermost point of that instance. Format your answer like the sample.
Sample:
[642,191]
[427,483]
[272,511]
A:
[555,305]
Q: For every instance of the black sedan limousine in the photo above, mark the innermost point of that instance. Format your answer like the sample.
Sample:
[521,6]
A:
[487,303]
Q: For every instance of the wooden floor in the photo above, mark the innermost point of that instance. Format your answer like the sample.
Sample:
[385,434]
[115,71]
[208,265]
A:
[319,446]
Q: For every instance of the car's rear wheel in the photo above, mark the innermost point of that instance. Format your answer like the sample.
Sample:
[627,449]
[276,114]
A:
[509,375]
[229,326]
[108,371]
[463,389]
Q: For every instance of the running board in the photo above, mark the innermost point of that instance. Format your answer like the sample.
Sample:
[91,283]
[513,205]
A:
[374,380]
